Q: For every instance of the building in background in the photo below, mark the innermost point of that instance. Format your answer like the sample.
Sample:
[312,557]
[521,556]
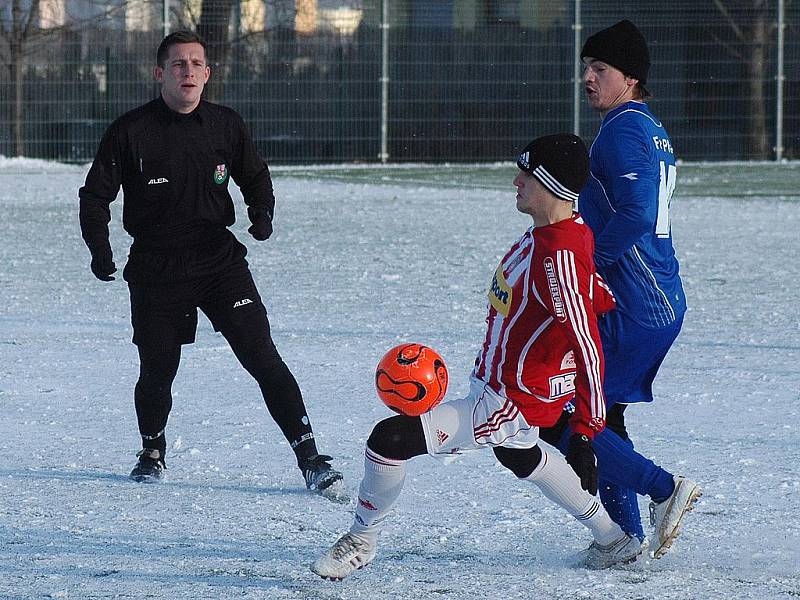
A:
[462,78]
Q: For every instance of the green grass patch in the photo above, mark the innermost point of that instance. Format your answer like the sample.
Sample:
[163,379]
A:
[735,180]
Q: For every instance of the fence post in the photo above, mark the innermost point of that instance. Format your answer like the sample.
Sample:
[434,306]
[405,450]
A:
[780,79]
[165,17]
[384,155]
[576,71]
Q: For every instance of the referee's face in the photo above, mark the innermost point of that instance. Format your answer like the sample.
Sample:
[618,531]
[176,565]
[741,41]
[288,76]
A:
[183,76]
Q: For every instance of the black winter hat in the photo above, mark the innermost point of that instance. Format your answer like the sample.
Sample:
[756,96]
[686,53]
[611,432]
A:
[622,46]
[560,162]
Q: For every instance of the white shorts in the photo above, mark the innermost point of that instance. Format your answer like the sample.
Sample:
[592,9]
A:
[482,419]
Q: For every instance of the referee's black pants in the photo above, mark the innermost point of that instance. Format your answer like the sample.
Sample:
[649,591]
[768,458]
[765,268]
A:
[165,317]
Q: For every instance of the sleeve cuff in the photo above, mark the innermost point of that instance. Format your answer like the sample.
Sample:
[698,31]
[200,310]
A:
[585,429]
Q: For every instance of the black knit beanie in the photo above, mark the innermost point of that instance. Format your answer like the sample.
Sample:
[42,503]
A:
[622,46]
[560,162]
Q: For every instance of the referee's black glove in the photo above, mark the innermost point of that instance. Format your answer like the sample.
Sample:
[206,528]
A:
[581,458]
[103,263]
[261,227]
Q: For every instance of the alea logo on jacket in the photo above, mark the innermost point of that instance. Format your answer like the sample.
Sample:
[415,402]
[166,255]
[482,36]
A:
[221,174]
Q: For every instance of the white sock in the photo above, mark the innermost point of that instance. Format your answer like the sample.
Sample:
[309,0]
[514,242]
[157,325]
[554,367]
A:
[561,485]
[381,486]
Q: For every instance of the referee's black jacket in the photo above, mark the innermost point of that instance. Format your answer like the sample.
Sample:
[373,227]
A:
[174,170]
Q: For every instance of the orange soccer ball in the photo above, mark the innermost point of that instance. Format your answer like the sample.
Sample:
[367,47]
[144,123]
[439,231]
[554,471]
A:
[411,379]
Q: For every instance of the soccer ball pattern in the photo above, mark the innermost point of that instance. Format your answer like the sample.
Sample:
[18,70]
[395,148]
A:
[411,379]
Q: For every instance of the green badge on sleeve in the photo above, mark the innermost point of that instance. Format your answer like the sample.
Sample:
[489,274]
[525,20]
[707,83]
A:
[221,174]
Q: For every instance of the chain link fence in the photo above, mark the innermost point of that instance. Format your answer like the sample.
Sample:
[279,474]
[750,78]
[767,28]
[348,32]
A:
[403,80]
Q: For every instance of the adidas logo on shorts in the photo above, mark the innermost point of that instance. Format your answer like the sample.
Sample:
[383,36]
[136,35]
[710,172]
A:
[441,436]
[242,302]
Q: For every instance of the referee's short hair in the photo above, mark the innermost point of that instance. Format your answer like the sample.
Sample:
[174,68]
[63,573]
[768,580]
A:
[183,36]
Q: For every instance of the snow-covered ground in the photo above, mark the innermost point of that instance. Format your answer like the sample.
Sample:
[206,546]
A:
[352,269]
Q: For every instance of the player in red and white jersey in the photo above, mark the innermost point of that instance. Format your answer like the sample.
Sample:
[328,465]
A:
[542,345]
[541,349]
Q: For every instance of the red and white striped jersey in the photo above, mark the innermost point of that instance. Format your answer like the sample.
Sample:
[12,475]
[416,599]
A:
[542,345]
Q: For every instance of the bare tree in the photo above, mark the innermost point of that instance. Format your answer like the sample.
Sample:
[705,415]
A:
[18,27]
[214,25]
[754,26]
[21,34]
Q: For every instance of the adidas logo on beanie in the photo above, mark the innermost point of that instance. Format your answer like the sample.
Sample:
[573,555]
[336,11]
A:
[560,162]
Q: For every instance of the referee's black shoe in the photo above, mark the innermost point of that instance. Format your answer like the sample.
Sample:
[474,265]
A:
[150,467]
[319,474]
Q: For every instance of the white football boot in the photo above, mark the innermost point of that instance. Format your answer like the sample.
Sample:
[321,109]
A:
[666,516]
[350,553]
[619,552]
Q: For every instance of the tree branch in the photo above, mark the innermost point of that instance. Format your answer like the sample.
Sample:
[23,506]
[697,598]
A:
[724,11]
[33,17]
[731,49]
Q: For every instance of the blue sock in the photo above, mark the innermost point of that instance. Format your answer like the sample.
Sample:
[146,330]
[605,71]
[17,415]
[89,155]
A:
[622,506]
[623,473]
[662,487]
[619,464]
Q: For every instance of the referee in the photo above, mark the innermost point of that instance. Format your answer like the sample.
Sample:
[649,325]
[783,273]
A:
[173,158]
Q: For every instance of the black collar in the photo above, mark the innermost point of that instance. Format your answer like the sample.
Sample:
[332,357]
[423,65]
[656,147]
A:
[166,114]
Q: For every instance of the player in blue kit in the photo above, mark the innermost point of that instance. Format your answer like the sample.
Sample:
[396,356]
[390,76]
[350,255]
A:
[626,204]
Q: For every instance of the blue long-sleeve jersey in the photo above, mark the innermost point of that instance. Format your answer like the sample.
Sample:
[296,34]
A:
[626,204]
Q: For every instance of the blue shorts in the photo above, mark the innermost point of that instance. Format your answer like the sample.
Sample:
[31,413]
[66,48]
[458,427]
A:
[633,355]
